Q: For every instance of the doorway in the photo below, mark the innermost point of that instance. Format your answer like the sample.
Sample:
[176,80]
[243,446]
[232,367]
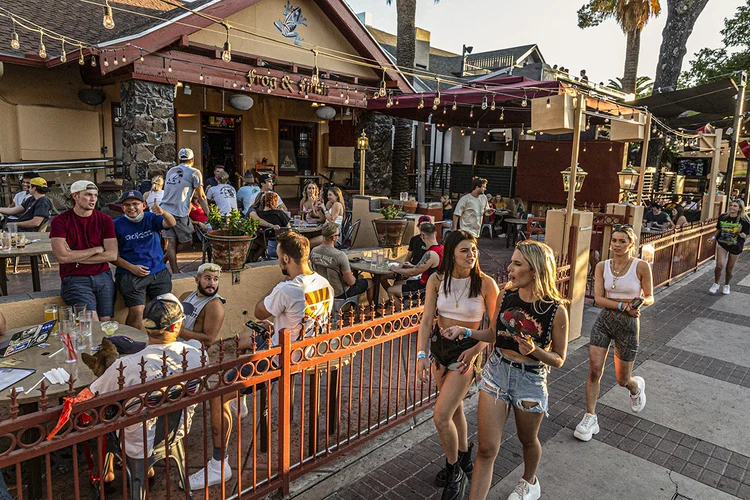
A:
[297,148]
[221,144]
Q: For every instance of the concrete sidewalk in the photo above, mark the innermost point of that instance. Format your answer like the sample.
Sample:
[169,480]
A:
[692,441]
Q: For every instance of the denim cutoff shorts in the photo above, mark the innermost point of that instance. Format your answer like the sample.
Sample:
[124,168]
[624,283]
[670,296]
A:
[514,385]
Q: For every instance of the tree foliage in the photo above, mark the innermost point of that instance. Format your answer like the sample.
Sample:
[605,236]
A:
[643,85]
[709,64]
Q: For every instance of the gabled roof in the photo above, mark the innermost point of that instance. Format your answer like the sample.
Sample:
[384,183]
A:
[516,53]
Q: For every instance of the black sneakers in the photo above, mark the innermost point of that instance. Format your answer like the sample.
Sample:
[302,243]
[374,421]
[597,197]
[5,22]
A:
[464,461]
[455,489]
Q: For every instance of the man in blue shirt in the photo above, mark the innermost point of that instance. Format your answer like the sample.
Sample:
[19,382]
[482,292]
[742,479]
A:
[140,263]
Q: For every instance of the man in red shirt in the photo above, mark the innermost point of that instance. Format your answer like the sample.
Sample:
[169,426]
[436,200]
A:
[84,243]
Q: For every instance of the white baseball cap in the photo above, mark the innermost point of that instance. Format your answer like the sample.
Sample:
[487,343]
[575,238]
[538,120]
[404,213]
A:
[186,154]
[79,186]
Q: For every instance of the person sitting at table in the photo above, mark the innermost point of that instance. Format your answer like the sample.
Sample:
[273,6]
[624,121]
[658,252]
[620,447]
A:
[271,217]
[417,247]
[35,209]
[84,242]
[162,319]
[246,194]
[428,265]
[20,196]
[156,193]
[334,208]
[309,205]
[689,203]
[657,219]
[213,181]
[141,271]
[223,194]
[678,216]
[266,182]
[333,264]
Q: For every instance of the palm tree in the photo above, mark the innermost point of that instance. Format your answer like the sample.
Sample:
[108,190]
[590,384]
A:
[632,16]
[406,34]
[643,86]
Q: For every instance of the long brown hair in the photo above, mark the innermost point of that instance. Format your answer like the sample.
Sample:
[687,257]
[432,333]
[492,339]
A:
[450,244]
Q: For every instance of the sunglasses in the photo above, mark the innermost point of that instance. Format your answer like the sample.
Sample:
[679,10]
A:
[620,227]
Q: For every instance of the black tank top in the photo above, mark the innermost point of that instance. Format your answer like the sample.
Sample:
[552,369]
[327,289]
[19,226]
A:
[520,317]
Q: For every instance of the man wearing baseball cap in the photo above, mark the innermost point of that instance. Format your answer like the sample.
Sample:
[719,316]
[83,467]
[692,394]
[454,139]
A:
[84,242]
[140,268]
[34,209]
[266,185]
[162,319]
[179,184]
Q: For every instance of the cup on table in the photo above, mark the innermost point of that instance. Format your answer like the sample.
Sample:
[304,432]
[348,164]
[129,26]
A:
[68,344]
[21,241]
[7,242]
[77,310]
[50,313]
[110,327]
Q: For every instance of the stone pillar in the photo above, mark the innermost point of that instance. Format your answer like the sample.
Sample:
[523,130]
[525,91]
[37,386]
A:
[148,134]
[378,158]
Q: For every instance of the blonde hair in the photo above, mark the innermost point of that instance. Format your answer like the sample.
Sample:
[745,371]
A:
[630,233]
[742,214]
[209,267]
[541,259]
[316,193]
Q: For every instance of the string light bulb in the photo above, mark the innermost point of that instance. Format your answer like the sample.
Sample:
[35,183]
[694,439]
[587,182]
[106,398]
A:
[108,21]
[346,101]
[502,114]
[170,65]
[63,55]
[471,113]
[93,61]
[124,58]
[389,103]
[141,57]
[421,103]
[364,100]
[81,60]
[42,48]
[226,54]
[201,75]
[525,101]
[436,102]
[492,105]
[445,110]
[549,104]
[315,78]
[234,84]
[114,58]
[484,102]
[14,41]
[106,61]
[455,106]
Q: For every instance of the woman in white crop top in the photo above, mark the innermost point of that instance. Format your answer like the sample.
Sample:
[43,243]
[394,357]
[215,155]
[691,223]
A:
[460,294]
[623,284]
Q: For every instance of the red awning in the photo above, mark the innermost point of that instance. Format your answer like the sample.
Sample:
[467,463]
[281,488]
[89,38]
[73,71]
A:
[507,92]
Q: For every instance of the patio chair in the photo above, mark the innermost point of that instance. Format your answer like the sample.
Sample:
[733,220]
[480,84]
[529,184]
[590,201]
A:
[349,235]
[486,224]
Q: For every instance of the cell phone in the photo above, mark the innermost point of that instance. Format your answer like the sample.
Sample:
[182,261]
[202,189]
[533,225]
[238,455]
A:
[255,327]
[636,303]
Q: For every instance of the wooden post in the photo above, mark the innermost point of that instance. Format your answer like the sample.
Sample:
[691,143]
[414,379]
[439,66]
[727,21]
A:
[644,155]
[708,212]
[580,107]
[733,139]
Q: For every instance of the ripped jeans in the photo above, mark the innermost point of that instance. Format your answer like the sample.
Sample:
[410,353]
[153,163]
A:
[523,389]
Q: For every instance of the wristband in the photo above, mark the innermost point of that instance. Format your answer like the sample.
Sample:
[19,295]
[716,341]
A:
[421,355]
[619,306]
[467,334]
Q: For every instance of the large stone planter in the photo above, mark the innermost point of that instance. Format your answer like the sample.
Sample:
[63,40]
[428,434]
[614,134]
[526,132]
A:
[229,251]
[389,232]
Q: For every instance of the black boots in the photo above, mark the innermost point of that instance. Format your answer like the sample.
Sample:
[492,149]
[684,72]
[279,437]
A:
[455,488]
[464,461]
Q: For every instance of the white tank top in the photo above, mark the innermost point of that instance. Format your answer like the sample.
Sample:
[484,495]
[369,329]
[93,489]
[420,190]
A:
[627,286]
[457,305]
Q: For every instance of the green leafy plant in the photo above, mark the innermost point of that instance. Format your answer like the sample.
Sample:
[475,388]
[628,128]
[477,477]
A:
[390,212]
[235,224]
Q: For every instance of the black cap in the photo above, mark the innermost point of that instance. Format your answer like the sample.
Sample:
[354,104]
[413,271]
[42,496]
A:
[164,311]
[264,177]
[128,195]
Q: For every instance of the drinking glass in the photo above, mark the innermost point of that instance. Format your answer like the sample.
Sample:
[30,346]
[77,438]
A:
[21,241]
[110,327]
[65,313]
[83,338]
[7,242]
[77,310]
[50,313]
[13,230]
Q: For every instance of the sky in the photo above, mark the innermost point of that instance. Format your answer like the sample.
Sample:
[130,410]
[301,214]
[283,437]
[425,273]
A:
[551,24]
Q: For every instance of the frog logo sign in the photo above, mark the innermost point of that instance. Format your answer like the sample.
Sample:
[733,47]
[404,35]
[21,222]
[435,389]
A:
[292,20]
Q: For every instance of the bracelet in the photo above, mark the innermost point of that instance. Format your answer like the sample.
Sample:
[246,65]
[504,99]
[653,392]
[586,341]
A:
[467,334]
[619,306]
[421,355]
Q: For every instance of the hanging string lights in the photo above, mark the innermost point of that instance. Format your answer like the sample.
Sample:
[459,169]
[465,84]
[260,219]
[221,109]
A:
[226,54]
[108,21]
[42,48]
[14,42]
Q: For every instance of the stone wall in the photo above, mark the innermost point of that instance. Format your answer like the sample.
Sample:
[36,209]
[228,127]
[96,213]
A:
[148,128]
[378,157]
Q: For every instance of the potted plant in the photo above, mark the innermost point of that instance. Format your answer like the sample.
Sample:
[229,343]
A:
[231,237]
[391,228]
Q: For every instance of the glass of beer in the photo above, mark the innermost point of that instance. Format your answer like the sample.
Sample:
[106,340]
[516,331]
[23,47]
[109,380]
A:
[77,310]
[50,313]
[21,241]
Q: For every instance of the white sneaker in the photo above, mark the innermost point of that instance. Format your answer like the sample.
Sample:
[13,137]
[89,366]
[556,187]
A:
[197,481]
[526,491]
[725,290]
[243,406]
[638,401]
[586,429]
[714,288]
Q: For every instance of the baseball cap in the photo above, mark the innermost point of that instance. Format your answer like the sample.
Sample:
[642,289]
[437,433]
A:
[248,175]
[424,218]
[186,154]
[264,177]
[128,195]
[126,345]
[39,182]
[164,311]
[79,186]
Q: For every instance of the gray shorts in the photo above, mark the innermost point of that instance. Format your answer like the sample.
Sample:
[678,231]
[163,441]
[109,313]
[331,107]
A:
[182,231]
[135,289]
[618,326]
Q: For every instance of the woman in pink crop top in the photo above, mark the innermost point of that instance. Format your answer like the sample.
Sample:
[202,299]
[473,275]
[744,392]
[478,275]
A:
[622,285]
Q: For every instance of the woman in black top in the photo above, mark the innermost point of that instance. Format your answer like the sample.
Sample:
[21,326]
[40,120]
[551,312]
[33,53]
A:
[270,217]
[530,332]
[731,230]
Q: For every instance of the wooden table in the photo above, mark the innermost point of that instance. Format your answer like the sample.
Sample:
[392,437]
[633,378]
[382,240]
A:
[34,358]
[512,229]
[33,251]
[377,275]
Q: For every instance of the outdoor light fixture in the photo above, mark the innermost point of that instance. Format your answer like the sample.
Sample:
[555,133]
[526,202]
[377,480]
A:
[14,42]
[226,54]
[93,61]
[168,69]
[492,106]
[421,103]
[109,20]
[81,60]
[363,143]
[346,101]
[455,106]
[549,105]
[63,55]
[484,102]
[141,58]
[502,114]
[201,76]
[471,113]
[580,176]
[124,59]
[628,178]
[42,48]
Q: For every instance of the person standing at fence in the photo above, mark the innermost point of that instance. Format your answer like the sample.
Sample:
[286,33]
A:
[530,332]
[731,230]
[472,207]
[461,294]
[622,285]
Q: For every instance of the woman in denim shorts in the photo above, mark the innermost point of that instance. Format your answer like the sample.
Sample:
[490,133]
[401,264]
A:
[530,332]
[461,294]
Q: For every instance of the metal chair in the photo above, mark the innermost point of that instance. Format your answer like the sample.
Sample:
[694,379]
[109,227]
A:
[349,235]
[486,224]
